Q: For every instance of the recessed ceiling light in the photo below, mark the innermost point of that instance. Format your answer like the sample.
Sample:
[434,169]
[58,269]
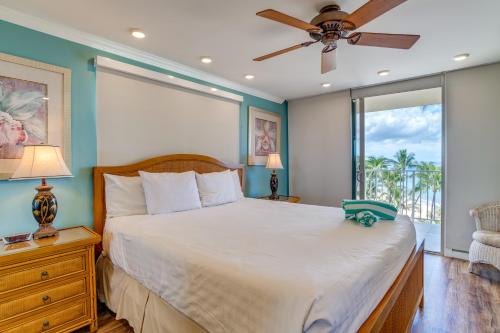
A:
[170,76]
[249,77]
[206,60]
[137,33]
[45,98]
[326,85]
[214,89]
[383,72]
[460,57]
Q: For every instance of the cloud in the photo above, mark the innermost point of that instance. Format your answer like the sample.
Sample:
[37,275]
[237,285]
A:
[415,125]
[430,152]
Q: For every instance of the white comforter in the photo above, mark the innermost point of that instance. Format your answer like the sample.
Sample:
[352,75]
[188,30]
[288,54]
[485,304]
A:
[262,266]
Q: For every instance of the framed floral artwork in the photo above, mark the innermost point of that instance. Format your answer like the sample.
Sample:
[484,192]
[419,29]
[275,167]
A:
[35,108]
[264,135]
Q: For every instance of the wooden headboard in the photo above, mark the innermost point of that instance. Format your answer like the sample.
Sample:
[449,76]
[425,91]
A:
[168,163]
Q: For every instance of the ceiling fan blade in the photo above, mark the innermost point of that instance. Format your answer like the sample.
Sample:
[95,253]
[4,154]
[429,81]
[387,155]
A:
[289,20]
[288,49]
[395,41]
[371,10]
[328,61]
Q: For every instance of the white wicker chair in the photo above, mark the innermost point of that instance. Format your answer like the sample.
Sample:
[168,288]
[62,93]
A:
[485,247]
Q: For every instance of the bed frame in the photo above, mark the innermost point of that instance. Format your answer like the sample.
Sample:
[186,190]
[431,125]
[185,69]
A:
[394,313]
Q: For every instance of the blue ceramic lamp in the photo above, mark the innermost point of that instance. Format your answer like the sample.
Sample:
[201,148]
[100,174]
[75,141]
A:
[41,162]
[274,162]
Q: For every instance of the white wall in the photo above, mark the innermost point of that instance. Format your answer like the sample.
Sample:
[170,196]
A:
[319,144]
[139,118]
[473,148]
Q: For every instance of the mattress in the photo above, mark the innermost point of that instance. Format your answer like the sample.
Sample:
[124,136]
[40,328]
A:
[263,266]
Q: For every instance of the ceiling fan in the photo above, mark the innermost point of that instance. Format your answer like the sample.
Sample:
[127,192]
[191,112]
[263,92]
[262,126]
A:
[332,24]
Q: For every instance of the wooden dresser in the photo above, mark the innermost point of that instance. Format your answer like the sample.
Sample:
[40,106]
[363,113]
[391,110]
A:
[48,285]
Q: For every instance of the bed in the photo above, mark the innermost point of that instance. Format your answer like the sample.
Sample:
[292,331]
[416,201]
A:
[254,265]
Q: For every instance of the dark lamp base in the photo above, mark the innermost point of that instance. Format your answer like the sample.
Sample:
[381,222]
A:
[44,208]
[273,183]
[45,230]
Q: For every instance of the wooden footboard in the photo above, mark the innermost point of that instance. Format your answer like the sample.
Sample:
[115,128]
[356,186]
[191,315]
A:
[397,309]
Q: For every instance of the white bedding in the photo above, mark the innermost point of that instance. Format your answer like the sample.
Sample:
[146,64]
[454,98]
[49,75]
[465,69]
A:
[263,266]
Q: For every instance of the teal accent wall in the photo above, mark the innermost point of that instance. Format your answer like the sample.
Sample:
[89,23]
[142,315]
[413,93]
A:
[75,194]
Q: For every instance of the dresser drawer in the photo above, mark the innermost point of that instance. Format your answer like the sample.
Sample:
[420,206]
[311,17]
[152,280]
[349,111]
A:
[41,299]
[55,321]
[41,271]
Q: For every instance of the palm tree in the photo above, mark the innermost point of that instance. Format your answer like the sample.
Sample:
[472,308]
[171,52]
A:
[373,167]
[430,178]
[402,162]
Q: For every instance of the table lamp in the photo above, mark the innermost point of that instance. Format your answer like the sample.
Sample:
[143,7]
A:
[42,161]
[274,162]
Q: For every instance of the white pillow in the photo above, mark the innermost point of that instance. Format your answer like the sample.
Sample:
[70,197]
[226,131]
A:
[170,192]
[124,196]
[237,184]
[216,188]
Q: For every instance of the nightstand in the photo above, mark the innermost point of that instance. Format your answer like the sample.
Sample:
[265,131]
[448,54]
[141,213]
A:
[286,198]
[48,285]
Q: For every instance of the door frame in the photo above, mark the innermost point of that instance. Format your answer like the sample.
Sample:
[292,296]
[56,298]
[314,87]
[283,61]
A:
[354,144]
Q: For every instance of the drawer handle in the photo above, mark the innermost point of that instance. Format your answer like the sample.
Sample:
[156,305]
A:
[45,325]
[46,299]
[44,275]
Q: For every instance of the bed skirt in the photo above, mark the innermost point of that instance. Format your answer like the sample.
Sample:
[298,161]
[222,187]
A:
[145,311]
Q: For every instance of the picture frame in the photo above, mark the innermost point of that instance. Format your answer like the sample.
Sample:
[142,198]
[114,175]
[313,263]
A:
[264,135]
[35,108]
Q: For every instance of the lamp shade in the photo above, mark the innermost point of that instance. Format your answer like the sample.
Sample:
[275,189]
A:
[274,161]
[41,161]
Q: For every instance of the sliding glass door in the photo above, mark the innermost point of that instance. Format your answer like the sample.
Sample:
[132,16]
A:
[398,156]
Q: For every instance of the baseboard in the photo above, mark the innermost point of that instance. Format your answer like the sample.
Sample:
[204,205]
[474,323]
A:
[456,254]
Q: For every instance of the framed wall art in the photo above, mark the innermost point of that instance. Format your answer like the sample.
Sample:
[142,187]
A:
[35,108]
[264,135]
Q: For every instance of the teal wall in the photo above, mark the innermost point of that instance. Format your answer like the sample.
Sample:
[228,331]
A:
[75,194]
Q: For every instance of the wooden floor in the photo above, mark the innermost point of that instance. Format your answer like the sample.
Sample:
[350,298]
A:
[455,300]
[458,301]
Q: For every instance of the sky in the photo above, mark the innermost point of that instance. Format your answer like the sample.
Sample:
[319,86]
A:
[418,129]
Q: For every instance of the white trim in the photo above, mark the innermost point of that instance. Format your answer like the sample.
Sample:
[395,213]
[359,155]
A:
[157,76]
[77,36]
[456,254]
[394,87]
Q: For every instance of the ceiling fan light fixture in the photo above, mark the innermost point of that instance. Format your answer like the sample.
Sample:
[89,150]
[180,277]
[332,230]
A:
[383,72]
[326,85]
[333,24]
[206,60]
[249,77]
[461,57]
[137,33]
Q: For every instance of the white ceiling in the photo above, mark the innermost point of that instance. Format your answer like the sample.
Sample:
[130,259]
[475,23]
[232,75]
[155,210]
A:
[231,33]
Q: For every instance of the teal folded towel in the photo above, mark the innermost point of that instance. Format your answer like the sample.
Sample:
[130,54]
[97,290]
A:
[365,218]
[382,210]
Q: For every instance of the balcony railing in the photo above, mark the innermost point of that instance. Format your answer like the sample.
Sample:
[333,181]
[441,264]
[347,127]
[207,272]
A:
[416,193]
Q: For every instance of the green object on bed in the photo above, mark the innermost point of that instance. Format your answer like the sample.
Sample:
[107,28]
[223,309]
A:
[365,218]
[380,209]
